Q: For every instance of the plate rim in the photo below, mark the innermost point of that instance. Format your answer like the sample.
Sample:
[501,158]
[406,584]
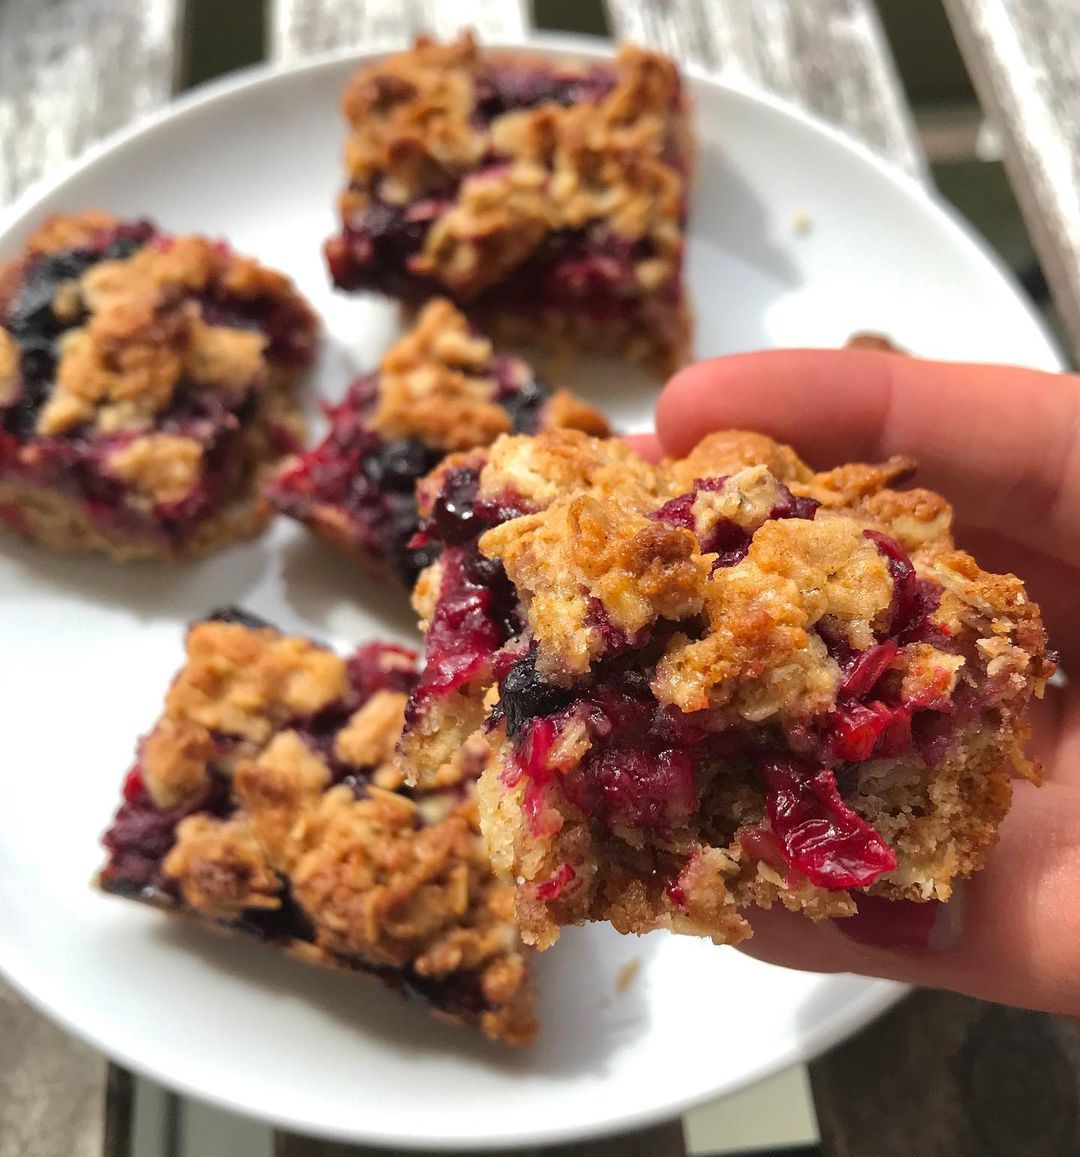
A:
[877,995]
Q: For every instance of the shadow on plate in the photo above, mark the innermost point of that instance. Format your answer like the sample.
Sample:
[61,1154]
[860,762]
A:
[147,590]
[329,592]
[584,1018]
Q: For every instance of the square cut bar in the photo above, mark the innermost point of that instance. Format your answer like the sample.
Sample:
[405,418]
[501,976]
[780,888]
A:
[265,801]
[720,682]
[546,197]
[440,388]
[145,388]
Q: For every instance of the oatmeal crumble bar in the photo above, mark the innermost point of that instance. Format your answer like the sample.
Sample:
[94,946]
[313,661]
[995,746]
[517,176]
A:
[266,801]
[145,388]
[719,682]
[547,197]
[440,388]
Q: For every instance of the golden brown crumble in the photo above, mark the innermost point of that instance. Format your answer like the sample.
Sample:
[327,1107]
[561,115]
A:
[437,383]
[159,467]
[368,739]
[433,384]
[747,649]
[239,682]
[9,368]
[278,789]
[221,868]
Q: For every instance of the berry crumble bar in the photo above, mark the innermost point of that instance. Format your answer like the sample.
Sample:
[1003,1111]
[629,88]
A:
[266,801]
[144,388]
[721,682]
[548,198]
[441,388]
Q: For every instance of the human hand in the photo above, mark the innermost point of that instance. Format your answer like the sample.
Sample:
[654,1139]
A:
[1003,445]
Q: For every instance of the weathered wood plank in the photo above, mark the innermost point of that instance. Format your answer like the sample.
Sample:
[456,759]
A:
[52,1088]
[827,56]
[71,71]
[660,1141]
[947,1076]
[301,27]
[1024,57]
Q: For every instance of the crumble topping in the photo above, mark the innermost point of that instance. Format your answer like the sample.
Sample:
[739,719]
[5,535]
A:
[9,368]
[159,467]
[566,411]
[436,384]
[238,682]
[231,360]
[278,789]
[174,757]
[145,335]
[271,774]
[760,655]
[222,868]
[369,737]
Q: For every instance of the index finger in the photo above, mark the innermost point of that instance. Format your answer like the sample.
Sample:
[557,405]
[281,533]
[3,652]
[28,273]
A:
[1000,442]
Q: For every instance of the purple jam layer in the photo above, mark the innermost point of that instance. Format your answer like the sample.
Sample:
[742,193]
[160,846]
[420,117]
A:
[369,481]
[591,273]
[476,613]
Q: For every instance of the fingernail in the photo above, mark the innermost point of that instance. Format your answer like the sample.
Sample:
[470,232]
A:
[928,927]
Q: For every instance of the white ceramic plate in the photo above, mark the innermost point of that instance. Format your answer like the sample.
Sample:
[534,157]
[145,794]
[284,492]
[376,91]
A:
[88,649]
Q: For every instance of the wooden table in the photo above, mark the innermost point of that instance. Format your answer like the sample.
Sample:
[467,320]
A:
[940,1074]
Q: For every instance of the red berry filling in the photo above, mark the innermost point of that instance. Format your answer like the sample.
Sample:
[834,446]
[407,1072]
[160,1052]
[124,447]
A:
[369,481]
[476,613]
[644,763]
[821,836]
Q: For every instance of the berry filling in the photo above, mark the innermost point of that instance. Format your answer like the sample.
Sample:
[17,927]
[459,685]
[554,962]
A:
[368,481]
